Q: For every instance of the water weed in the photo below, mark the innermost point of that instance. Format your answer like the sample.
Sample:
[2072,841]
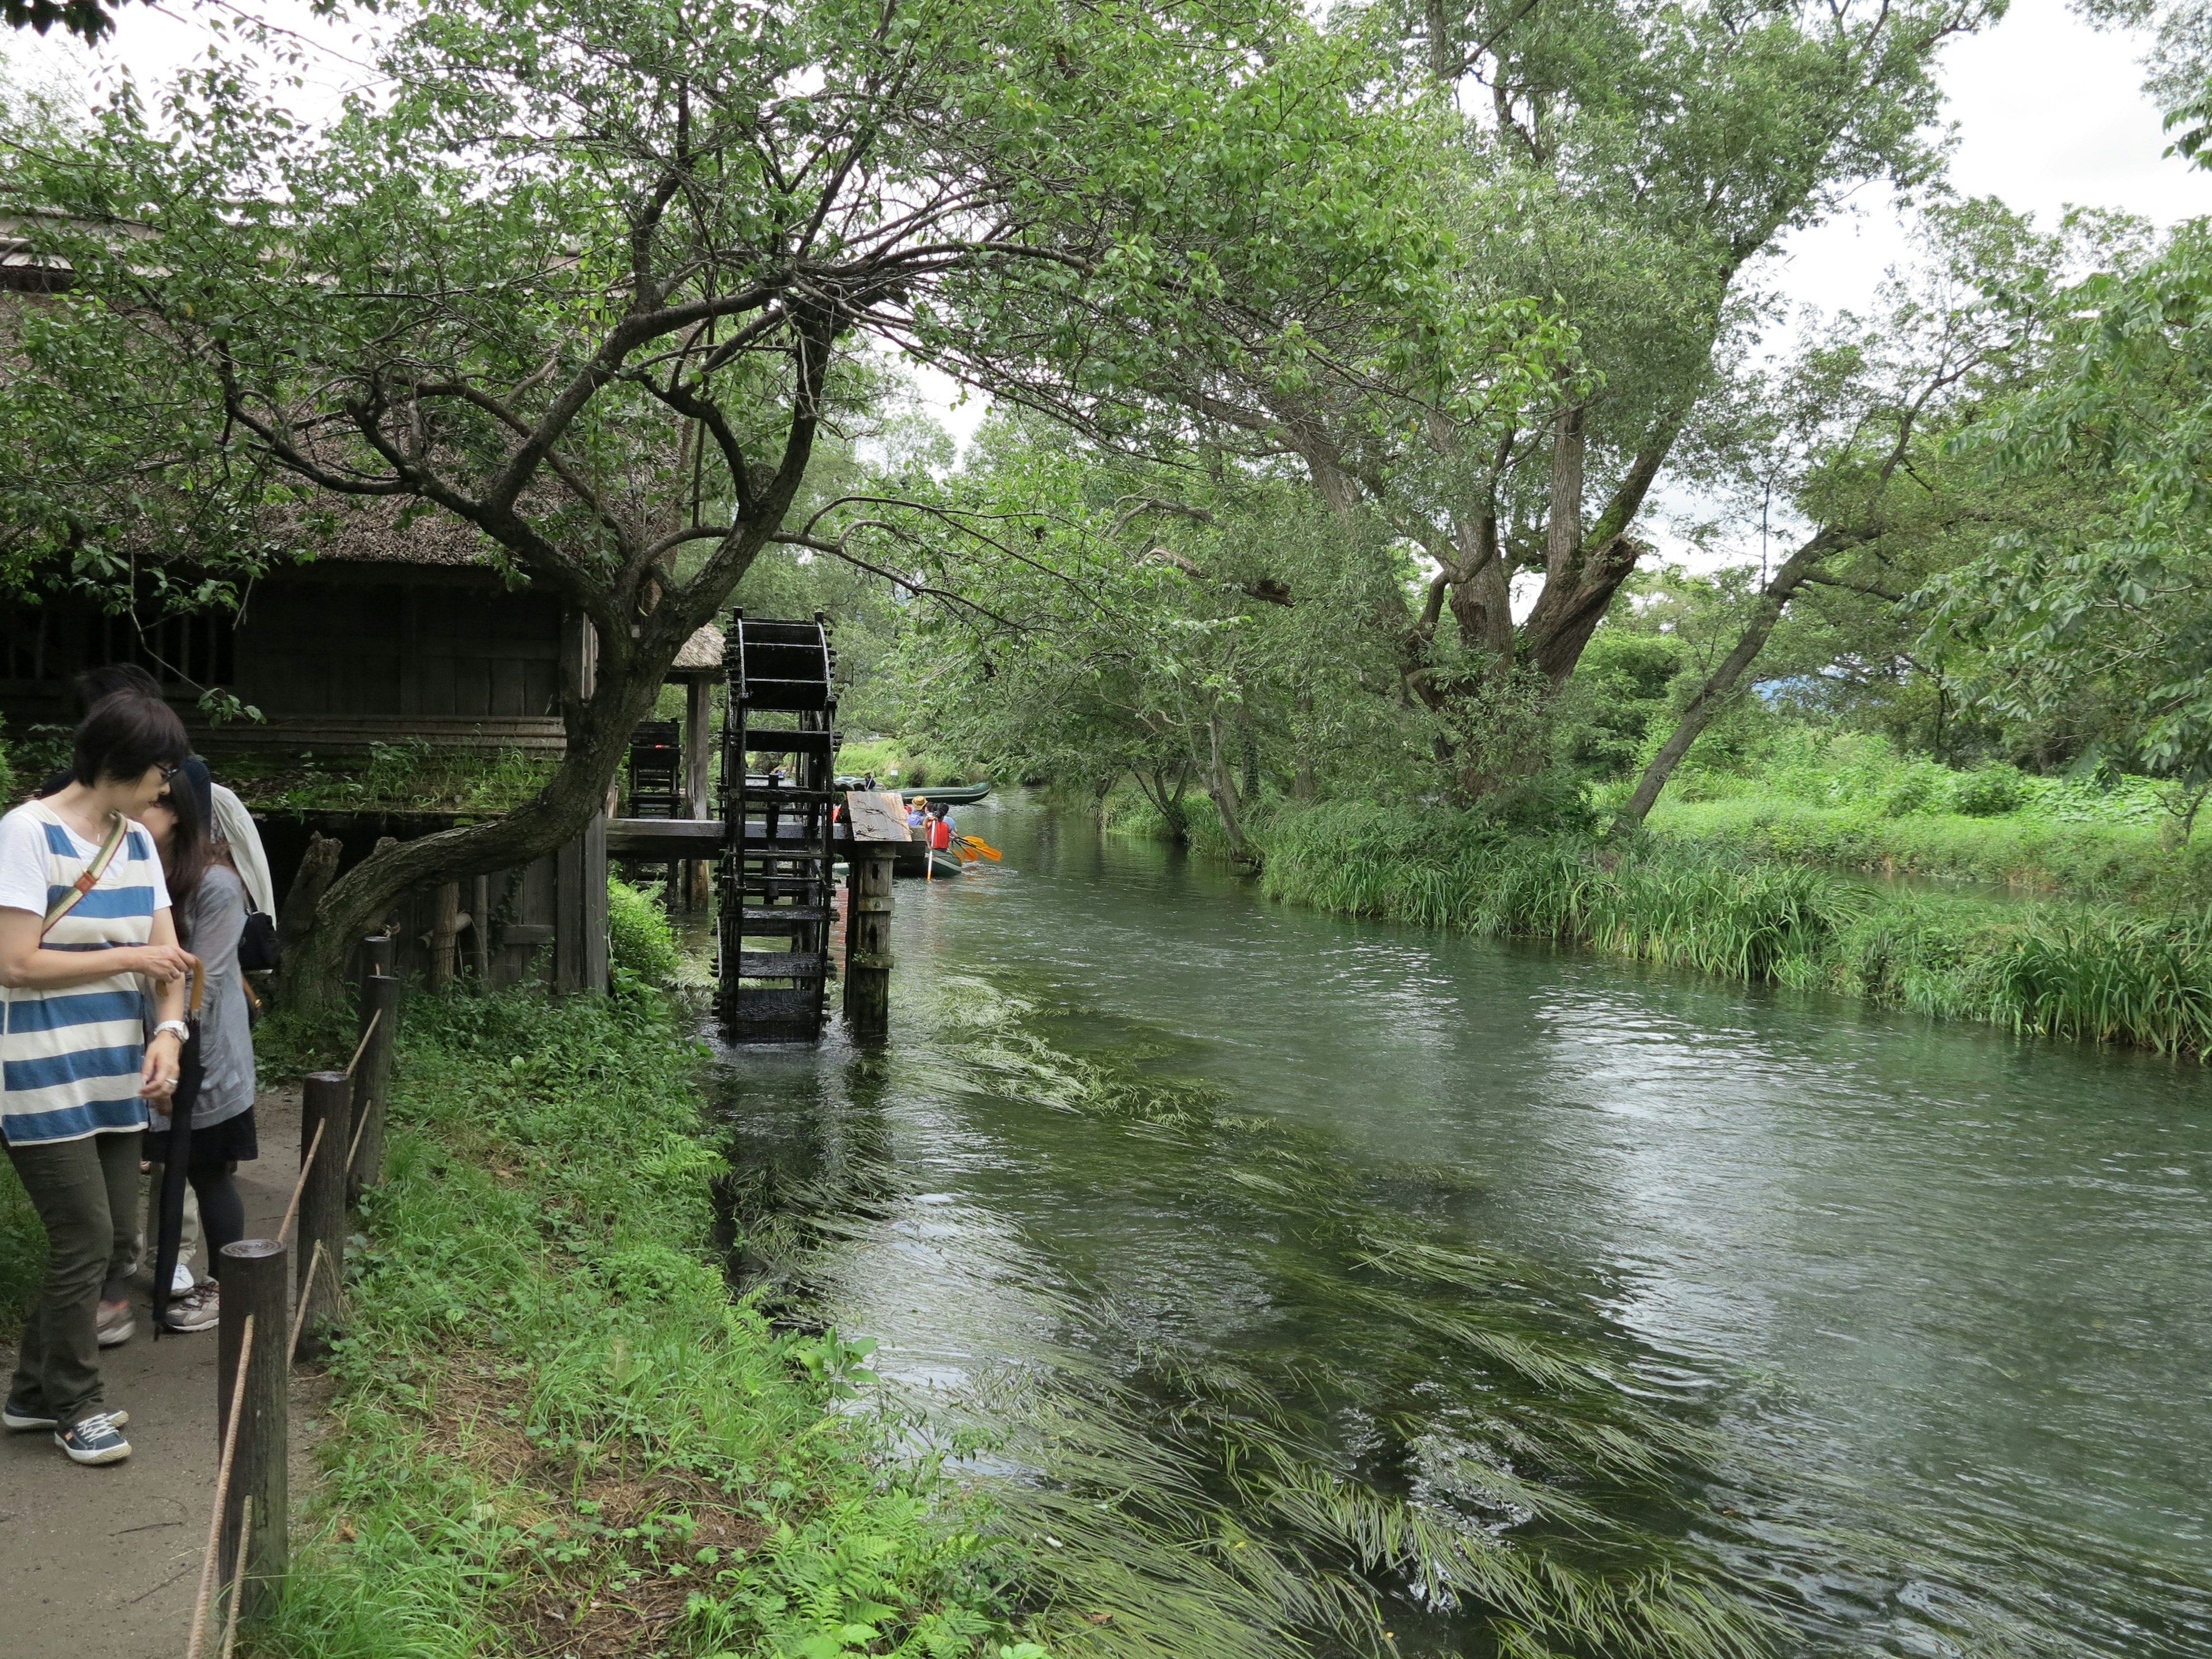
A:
[1493,1472]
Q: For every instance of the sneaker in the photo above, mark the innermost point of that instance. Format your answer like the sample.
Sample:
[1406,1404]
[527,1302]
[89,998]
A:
[94,1439]
[197,1310]
[17,1419]
[181,1280]
[115,1323]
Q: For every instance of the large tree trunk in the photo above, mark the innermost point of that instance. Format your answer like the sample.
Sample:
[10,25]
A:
[1713,695]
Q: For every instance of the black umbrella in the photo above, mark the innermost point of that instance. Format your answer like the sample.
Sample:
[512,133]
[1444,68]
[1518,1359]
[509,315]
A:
[176,1155]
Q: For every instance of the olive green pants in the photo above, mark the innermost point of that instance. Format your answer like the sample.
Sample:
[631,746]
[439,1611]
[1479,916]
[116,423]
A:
[86,1192]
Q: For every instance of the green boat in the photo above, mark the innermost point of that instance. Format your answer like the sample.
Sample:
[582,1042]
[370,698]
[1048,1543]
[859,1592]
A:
[953,794]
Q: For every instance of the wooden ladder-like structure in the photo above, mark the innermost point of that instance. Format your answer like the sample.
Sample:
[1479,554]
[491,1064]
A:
[779,754]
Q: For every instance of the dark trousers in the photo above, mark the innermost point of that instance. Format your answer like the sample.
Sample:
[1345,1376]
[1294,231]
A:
[86,1192]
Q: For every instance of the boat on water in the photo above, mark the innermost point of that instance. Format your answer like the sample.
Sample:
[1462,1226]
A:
[953,794]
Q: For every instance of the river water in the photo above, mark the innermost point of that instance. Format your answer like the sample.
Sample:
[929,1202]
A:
[1911,1315]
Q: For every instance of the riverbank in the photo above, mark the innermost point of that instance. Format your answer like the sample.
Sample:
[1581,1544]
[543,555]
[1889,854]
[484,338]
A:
[553,1431]
[1747,910]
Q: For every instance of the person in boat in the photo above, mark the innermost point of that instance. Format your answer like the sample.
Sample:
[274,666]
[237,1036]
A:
[940,829]
[917,813]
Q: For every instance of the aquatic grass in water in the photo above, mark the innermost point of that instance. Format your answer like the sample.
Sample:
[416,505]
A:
[1492,1472]
[2057,970]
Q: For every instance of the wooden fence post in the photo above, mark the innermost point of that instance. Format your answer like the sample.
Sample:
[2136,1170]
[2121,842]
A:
[371,1080]
[376,955]
[254,1285]
[868,939]
[328,1103]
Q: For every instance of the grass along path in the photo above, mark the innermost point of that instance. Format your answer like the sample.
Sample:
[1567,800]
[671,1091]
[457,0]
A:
[554,1432]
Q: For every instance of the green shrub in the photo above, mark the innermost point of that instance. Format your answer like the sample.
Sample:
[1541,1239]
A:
[641,948]
[1988,792]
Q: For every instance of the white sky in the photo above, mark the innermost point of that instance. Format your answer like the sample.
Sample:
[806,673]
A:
[2048,113]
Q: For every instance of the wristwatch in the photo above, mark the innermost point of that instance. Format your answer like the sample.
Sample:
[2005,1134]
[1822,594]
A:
[184,1031]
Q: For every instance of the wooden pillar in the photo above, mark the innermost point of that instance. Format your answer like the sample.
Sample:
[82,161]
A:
[868,939]
[327,1103]
[445,933]
[698,760]
[254,1287]
[480,931]
[371,1081]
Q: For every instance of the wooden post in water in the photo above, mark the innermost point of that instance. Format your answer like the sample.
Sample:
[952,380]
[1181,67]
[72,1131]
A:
[875,824]
[253,1276]
[327,1102]
[371,1080]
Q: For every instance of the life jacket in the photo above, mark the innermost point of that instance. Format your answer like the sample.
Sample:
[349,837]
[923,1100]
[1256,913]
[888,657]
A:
[940,833]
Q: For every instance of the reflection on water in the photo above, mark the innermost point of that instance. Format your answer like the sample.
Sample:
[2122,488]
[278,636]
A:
[1896,1325]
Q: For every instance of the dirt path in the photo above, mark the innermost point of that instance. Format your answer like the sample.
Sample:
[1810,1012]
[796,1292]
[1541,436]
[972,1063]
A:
[104,1563]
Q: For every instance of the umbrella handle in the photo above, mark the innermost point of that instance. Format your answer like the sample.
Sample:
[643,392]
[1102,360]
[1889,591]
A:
[198,993]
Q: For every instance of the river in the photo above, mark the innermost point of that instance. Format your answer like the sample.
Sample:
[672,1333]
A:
[1893,1330]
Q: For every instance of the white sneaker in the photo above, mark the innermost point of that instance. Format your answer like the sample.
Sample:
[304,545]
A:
[114,1323]
[181,1280]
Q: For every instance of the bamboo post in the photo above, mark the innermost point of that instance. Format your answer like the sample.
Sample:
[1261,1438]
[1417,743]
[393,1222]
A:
[253,1276]
[371,1081]
[868,939]
[327,1102]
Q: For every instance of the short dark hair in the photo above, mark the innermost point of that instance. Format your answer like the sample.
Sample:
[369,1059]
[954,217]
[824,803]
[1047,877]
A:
[126,733]
[95,685]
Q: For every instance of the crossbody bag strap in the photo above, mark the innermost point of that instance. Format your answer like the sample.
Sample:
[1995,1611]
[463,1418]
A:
[90,878]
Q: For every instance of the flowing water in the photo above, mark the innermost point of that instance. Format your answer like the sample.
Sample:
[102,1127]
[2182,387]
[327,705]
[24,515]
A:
[1384,1259]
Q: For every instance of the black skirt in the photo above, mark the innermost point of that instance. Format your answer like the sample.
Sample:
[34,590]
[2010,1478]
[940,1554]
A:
[231,1141]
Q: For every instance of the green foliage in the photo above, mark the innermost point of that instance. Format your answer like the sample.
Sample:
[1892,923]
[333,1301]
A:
[23,1252]
[411,775]
[547,1399]
[2061,970]
[641,948]
[6,767]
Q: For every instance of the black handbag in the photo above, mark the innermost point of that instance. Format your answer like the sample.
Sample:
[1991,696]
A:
[257,943]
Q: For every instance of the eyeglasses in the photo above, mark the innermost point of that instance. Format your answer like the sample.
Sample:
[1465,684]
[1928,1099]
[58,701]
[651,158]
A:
[168,772]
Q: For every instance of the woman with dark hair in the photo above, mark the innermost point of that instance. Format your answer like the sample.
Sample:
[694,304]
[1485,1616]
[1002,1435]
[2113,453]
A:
[209,904]
[84,918]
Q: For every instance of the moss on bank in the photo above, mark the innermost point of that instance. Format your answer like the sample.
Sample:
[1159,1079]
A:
[553,1431]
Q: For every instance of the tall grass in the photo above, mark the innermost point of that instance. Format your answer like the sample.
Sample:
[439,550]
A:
[2096,973]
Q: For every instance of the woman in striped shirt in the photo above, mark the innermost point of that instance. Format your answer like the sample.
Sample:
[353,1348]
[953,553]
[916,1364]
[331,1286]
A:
[77,1064]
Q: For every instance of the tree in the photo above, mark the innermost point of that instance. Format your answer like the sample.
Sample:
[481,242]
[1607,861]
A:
[594,280]
[1858,433]
[1608,197]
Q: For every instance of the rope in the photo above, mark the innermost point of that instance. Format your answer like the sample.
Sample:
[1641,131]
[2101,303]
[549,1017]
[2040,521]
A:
[307,1164]
[363,1046]
[300,1314]
[238,1581]
[222,1490]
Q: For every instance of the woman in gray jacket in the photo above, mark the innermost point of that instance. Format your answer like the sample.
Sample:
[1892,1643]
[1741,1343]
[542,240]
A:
[208,900]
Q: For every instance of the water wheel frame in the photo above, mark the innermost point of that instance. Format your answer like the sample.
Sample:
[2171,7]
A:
[773,878]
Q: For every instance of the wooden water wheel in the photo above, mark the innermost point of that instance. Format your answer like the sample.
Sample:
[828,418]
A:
[779,749]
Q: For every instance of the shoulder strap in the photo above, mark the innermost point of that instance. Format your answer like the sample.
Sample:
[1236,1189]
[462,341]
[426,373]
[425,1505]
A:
[90,878]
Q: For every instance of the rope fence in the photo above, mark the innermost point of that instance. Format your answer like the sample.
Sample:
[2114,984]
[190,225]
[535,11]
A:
[223,1470]
[251,1507]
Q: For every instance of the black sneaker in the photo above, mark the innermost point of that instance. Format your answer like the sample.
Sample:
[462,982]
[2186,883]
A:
[17,1419]
[94,1439]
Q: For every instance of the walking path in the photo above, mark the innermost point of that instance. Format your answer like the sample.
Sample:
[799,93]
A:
[104,1563]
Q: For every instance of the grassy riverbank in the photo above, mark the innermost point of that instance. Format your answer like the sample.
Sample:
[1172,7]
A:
[553,1430]
[1749,908]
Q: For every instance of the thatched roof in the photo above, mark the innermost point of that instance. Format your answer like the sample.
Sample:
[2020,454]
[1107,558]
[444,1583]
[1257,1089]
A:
[702,653]
[375,530]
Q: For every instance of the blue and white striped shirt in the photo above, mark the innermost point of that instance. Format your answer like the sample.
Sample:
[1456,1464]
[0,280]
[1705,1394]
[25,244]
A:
[70,1060]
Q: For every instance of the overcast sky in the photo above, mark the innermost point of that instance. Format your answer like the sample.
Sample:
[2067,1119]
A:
[2049,112]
